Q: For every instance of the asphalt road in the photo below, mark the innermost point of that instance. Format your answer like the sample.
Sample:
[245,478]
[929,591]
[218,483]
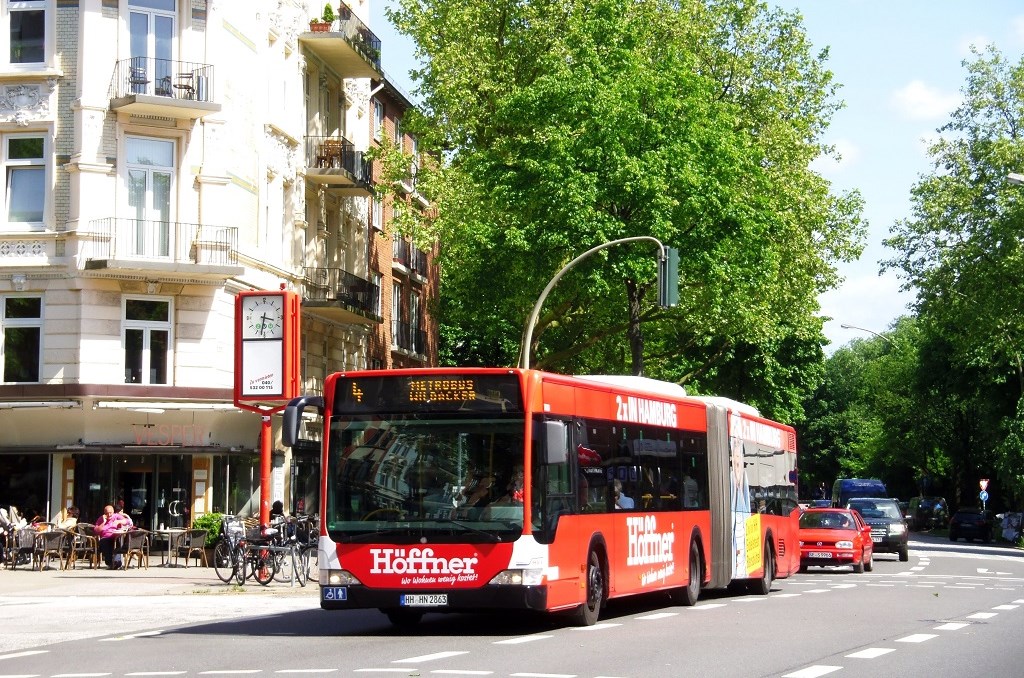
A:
[953,610]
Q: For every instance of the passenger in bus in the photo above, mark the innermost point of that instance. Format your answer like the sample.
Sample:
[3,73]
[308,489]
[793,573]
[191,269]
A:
[513,499]
[690,492]
[583,492]
[621,500]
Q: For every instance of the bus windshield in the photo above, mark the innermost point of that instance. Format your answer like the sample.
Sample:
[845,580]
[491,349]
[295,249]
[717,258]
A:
[446,478]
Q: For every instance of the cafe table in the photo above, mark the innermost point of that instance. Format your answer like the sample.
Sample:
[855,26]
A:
[168,535]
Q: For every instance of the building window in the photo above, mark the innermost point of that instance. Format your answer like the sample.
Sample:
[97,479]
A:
[25,179]
[150,165]
[378,120]
[26,31]
[21,324]
[396,313]
[147,340]
[398,134]
[378,279]
[378,213]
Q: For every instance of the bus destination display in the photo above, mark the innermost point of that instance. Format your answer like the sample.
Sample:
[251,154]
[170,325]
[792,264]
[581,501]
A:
[438,393]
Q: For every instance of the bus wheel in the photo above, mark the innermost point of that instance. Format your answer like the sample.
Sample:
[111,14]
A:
[687,595]
[764,585]
[588,612]
[403,618]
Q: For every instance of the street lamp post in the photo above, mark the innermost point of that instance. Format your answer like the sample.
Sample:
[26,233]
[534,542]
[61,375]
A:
[864,329]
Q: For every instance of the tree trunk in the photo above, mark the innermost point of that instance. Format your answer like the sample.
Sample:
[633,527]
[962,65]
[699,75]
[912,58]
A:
[635,333]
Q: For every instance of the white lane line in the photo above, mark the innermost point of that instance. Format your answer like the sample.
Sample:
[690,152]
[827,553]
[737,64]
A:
[921,586]
[305,671]
[229,672]
[380,670]
[960,587]
[845,586]
[1019,601]
[456,672]
[706,606]
[950,626]
[26,653]
[658,615]
[522,639]
[80,675]
[430,657]
[597,627]
[982,615]
[813,671]
[917,638]
[752,599]
[816,591]
[19,675]
[871,652]
[917,568]
[155,673]
[786,595]
[882,585]
[544,675]
[1005,607]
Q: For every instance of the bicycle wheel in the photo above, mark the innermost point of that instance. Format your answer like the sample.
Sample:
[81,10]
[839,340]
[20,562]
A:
[238,562]
[282,566]
[300,564]
[264,565]
[223,562]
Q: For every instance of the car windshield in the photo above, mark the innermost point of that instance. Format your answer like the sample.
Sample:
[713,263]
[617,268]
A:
[829,520]
[877,509]
[970,518]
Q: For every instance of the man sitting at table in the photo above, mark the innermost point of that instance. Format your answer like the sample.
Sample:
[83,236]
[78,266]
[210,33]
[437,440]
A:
[109,527]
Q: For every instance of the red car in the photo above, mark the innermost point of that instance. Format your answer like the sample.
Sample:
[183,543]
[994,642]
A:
[832,536]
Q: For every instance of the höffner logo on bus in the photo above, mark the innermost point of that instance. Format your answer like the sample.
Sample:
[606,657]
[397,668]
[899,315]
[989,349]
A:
[644,411]
[418,561]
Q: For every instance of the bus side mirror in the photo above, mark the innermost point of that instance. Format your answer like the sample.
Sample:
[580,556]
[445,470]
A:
[556,446]
[293,417]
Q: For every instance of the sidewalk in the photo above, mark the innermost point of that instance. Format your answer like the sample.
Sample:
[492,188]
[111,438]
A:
[155,581]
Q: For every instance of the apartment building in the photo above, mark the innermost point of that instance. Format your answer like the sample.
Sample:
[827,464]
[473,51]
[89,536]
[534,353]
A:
[162,156]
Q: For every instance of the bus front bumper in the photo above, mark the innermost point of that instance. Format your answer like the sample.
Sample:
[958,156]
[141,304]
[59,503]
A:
[429,600]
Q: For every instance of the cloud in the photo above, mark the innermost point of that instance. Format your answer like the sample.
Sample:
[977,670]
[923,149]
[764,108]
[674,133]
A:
[919,101]
[1017,28]
[846,155]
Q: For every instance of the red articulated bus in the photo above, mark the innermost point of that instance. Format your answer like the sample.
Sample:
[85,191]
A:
[486,488]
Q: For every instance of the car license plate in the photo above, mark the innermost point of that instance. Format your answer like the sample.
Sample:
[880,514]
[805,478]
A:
[875,539]
[424,600]
[819,554]
[334,593]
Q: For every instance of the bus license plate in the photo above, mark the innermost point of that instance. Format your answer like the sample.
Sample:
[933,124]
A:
[334,593]
[819,554]
[424,600]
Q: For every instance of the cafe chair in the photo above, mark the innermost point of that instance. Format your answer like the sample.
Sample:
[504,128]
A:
[20,545]
[84,546]
[49,545]
[190,544]
[134,544]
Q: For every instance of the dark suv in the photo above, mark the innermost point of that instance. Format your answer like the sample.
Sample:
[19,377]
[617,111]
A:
[926,513]
[888,528]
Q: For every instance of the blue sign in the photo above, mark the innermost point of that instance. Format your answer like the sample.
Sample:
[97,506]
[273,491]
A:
[983,495]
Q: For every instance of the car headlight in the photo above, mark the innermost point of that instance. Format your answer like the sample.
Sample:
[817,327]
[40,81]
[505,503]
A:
[897,528]
[801,543]
[844,544]
[527,577]
[341,578]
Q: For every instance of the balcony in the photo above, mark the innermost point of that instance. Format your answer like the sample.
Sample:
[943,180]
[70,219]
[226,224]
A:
[335,163]
[138,246]
[408,339]
[340,296]
[408,258]
[348,46]
[170,89]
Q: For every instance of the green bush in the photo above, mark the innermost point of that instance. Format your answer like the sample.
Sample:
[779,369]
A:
[328,13]
[211,523]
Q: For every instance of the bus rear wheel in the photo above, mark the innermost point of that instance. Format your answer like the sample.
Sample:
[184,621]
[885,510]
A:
[763,585]
[589,611]
[687,595]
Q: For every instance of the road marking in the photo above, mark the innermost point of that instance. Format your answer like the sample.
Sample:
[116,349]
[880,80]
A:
[921,586]
[917,568]
[982,615]
[229,672]
[80,675]
[786,595]
[456,672]
[597,627]
[845,586]
[19,675]
[916,638]
[658,615]
[816,591]
[517,641]
[26,653]
[305,671]
[951,626]
[753,599]
[545,675]
[706,606]
[871,652]
[960,587]
[155,673]
[1005,607]
[813,671]
[430,657]
[380,670]
[882,585]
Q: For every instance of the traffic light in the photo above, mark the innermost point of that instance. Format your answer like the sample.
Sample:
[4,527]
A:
[668,278]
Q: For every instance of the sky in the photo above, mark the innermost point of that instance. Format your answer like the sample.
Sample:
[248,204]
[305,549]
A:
[899,64]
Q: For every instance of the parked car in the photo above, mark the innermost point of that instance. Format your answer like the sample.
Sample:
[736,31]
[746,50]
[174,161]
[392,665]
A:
[971,524]
[927,513]
[888,528]
[831,536]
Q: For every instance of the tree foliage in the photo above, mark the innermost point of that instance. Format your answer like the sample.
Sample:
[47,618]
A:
[560,125]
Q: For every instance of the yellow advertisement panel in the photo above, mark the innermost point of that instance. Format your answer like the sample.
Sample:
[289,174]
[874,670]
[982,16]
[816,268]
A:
[753,543]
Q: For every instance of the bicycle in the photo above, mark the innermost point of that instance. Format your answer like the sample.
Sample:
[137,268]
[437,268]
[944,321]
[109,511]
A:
[229,553]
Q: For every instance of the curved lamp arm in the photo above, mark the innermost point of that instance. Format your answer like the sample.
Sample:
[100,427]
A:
[524,357]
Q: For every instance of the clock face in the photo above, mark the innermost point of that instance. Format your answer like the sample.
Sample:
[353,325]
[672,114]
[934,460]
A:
[263,317]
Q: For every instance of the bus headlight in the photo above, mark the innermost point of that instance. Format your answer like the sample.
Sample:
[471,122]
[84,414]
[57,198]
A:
[529,577]
[341,578]
[844,544]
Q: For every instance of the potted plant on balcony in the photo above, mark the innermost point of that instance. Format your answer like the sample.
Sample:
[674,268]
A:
[318,26]
[329,16]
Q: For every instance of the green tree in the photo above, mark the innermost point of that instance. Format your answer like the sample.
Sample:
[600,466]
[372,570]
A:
[563,125]
[963,250]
